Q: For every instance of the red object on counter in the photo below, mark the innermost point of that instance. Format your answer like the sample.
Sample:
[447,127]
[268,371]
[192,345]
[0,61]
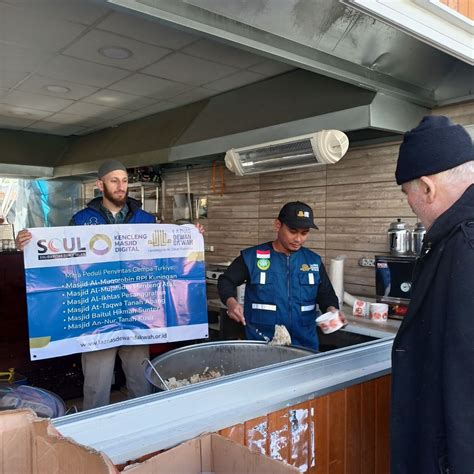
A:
[400,309]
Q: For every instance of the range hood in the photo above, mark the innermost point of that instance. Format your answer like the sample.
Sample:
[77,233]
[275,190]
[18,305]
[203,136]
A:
[259,113]
[330,38]
[290,105]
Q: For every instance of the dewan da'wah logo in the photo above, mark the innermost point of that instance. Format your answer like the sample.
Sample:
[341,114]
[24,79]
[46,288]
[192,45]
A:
[159,238]
[100,244]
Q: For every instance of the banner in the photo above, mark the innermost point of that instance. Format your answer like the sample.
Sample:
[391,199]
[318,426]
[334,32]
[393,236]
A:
[95,287]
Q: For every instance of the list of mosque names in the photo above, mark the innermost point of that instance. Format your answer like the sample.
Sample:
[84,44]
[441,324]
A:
[96,298]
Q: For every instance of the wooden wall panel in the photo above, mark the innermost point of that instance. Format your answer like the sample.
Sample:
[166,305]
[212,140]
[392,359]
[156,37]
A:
[368,410]
[256,435]
[464,7]
[300,425]
[309,177]
[353,441]
[321,434]
[343,432]
[235,433]
[382,425]
[459,113]
[337,434]
[279,435]
[354,202]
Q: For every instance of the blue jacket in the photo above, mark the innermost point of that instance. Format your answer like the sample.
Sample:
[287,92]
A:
[283,289]
[93,215]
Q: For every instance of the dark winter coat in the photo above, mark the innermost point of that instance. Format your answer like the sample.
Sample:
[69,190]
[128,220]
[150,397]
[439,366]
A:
[433,353]
[93,214]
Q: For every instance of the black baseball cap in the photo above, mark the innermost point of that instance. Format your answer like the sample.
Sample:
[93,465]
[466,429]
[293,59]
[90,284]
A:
[297,215]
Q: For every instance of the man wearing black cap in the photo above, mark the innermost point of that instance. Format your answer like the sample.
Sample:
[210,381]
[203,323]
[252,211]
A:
[284,281]
[433,352]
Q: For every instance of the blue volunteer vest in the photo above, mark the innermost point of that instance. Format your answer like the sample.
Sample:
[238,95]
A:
[282,290]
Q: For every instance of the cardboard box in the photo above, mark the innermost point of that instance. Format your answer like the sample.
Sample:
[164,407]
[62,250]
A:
[210,454]
[29,444]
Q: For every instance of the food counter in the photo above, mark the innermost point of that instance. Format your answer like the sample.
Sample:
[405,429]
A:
[349,384]
[321,413]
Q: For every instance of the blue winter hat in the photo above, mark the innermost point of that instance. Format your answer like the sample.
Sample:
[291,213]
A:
[435,145]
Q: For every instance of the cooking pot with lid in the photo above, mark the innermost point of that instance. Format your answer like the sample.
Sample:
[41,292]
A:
[399,238]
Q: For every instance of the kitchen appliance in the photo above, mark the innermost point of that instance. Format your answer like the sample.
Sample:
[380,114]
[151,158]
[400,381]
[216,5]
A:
[229,357]
[403,240]
[228,328]
[214,271]
[399,238]
[416,238]
[182,208]
[320,148]
[393,281]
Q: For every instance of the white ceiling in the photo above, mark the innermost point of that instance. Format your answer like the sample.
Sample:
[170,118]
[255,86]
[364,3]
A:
[56,43]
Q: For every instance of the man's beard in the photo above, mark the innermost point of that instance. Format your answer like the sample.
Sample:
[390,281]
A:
[116,201]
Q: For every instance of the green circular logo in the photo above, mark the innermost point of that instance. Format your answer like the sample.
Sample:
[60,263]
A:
[263,263]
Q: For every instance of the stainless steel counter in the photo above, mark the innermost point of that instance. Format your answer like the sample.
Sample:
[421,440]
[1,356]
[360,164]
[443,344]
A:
[367,327]
[130,429]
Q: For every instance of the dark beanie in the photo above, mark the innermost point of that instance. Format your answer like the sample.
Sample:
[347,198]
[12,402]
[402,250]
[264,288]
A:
[108,166]
[435,145]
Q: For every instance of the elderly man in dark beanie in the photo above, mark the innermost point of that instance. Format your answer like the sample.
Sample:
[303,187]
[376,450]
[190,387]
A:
[432,427]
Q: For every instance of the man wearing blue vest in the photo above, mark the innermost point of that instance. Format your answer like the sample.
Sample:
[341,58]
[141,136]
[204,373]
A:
[284,281]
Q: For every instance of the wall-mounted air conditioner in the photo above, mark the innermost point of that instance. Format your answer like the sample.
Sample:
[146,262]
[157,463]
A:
[324,147]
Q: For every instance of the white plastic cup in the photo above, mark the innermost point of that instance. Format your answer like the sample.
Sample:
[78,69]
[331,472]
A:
[361,309]
[378,312]
[329,322]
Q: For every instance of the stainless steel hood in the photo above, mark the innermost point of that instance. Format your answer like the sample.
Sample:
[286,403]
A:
[326,37]
[296,103]
[356,74]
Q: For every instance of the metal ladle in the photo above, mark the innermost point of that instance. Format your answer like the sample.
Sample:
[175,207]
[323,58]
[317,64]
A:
[257,331]
[157,374]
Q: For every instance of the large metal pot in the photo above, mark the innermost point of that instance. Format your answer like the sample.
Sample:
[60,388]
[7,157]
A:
[228,357]
[417,236]
[399,238]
